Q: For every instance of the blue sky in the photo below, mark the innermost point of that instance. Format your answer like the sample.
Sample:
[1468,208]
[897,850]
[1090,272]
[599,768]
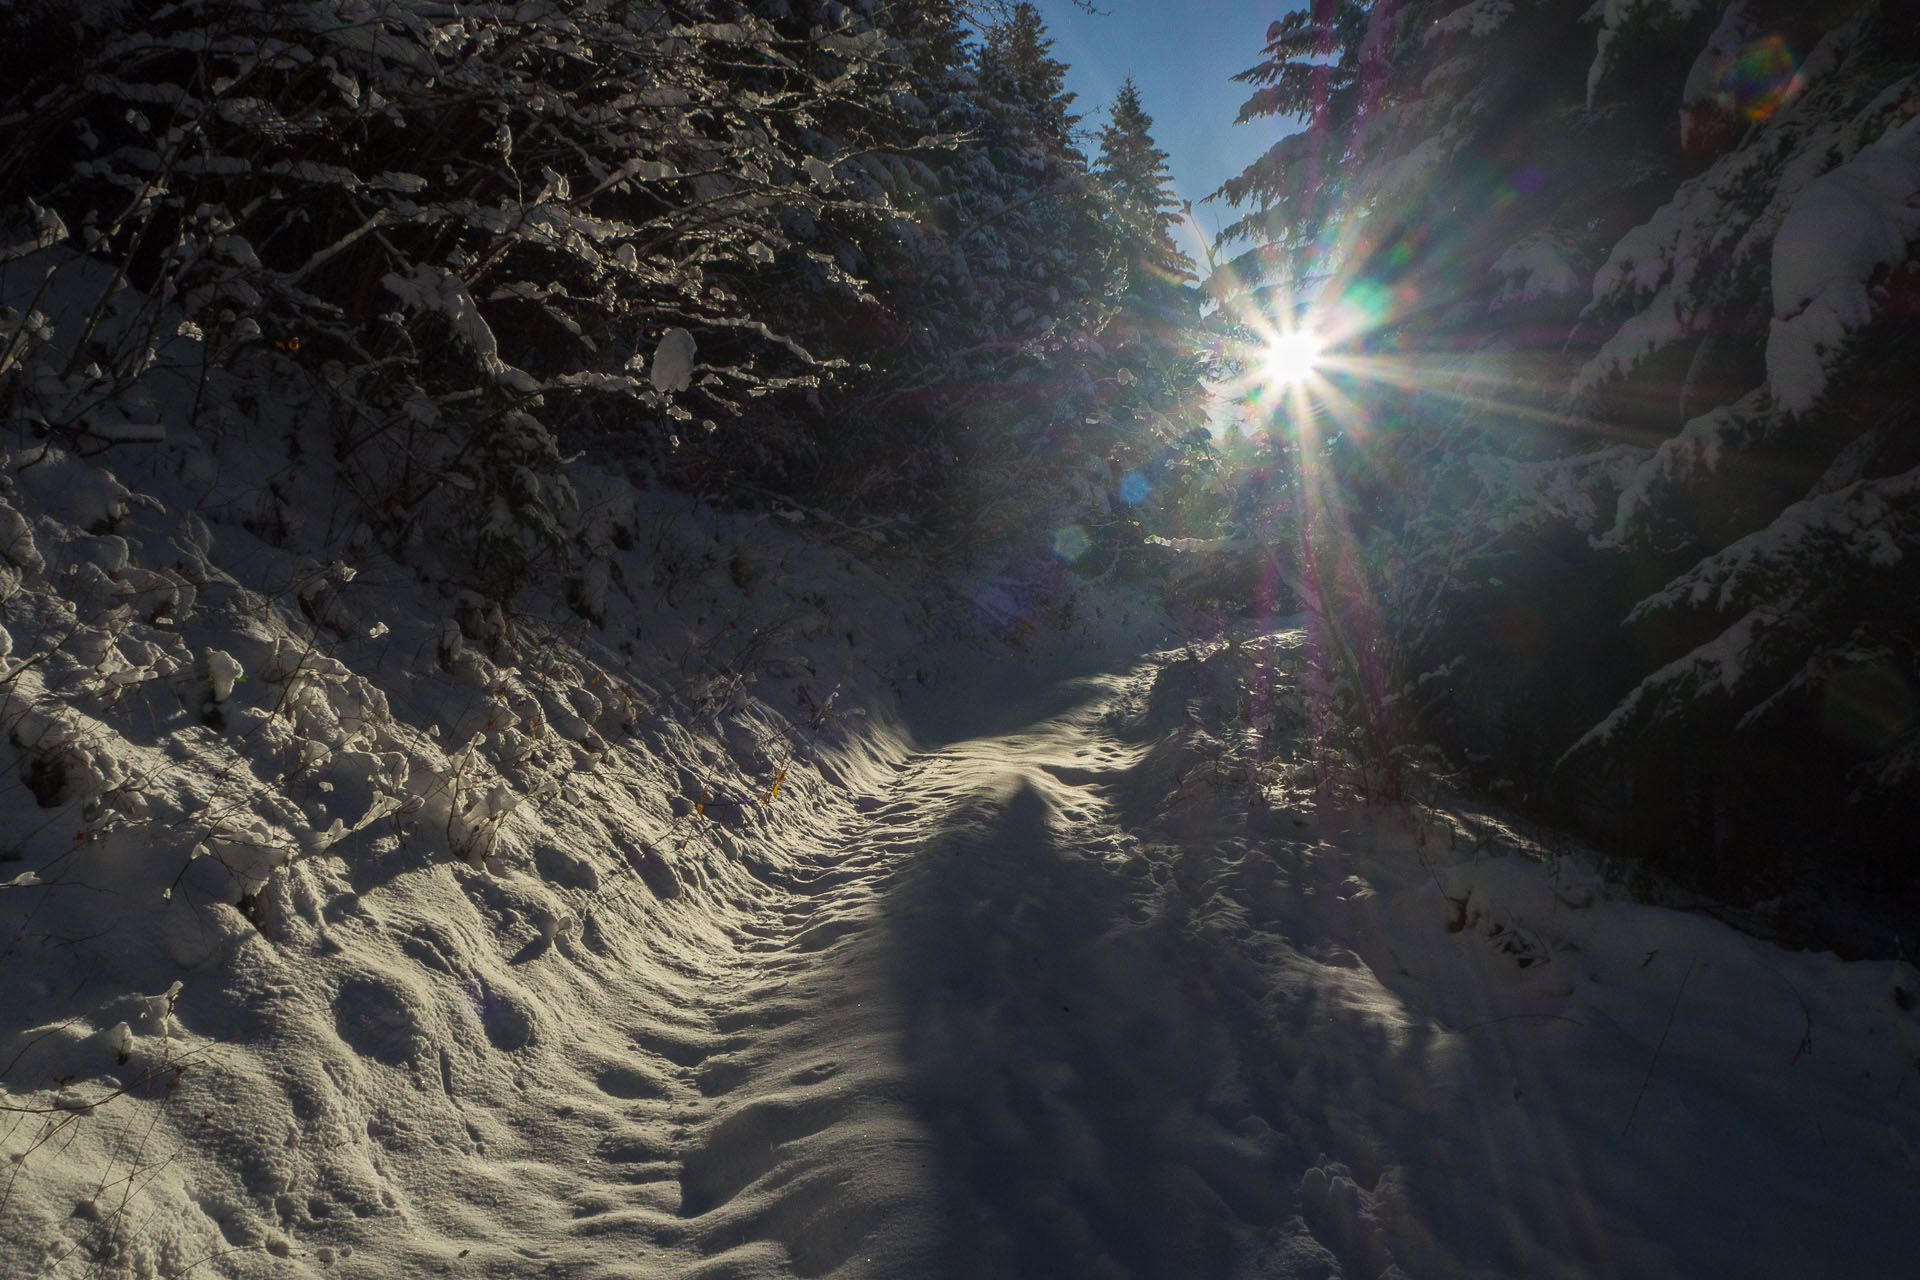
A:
[1181,53]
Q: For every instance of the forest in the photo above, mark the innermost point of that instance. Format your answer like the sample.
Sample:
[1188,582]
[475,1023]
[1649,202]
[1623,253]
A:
[493,485]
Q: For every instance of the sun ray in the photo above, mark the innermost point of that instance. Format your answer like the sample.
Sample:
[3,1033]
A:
[1291,358]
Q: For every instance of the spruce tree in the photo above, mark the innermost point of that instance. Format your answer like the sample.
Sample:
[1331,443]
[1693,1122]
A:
[1133,174]
[1018,71]
[1626,463]
[1152,337]
[1310,70]
[987,273]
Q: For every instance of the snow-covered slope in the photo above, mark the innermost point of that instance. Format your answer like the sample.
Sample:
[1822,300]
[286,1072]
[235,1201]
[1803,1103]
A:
[282,856]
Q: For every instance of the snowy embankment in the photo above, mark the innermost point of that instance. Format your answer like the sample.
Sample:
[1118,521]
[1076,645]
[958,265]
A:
[326,891]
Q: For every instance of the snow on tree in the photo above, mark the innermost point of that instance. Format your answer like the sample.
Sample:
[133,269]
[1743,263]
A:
[1651,264]
[456,214]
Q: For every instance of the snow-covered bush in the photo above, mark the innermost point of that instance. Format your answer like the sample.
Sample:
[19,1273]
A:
[476,232]
[808,247]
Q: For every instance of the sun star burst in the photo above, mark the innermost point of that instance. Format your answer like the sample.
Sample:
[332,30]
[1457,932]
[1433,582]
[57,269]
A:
[1291,358]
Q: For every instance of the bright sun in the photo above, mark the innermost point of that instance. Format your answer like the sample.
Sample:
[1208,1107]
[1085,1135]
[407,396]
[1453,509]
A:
[1291,358]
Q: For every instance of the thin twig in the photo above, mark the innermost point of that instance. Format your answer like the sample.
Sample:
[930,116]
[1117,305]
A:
[1658,1047]
[1516,1017]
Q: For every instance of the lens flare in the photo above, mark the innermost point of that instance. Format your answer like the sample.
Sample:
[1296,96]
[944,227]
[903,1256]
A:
[1867,707]
[1759,79]
[1071,543]
[1291,358]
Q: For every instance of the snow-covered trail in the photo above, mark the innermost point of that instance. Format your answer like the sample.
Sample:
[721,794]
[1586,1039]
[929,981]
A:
[964,1038]
[958,1038]
[1034,981]
[1027,1013]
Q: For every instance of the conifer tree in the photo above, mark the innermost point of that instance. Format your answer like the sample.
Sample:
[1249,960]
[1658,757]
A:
[987,273]
[1133,173]
[1020,74]
[934,34]
[1626,466]
[1152,337]
[1310,70]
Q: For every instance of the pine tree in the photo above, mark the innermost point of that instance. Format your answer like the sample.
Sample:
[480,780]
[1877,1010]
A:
[1311,70]
[1631,299]
[1019,73]
[1133,174]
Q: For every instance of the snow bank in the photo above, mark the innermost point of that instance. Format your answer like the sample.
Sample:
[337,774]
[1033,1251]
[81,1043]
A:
[675,943]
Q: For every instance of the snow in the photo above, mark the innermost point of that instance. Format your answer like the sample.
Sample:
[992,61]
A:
[1534,494]
[1721,663]
[1844,226]
[1687,458]
[430,288]
[222,670]
[1705,78]
[1404,171]
[673,361]
[1541,266]
[1722,223]
[1860,521]
[1655,327]
[674,964]
[1850,221]
[1476,18]
[1805,560]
